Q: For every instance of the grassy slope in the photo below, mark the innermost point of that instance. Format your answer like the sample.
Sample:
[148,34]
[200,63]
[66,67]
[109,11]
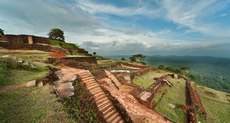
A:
[173,96]
[17,76]
[217,107]
[31,105]
[216,104]
[147,79]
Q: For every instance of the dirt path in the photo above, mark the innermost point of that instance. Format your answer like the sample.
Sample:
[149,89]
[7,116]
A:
[11,87]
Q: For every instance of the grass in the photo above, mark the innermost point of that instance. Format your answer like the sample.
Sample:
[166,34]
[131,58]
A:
[11,75]
[217,107]
[32,105]
[63,45]
[174,96]
[147,79]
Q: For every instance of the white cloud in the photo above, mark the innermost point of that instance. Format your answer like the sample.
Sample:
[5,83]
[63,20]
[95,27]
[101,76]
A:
[94,8]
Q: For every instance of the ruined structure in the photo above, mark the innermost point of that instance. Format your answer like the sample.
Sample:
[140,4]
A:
[28,42]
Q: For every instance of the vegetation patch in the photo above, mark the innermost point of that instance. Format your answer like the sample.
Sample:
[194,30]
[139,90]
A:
[81,106]
[217,107]
[170,98]
[62,44]
[32,105]
[211,94]
[146,79]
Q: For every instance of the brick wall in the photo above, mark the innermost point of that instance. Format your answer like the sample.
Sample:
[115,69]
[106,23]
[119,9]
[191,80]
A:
[71,61]
[23,39]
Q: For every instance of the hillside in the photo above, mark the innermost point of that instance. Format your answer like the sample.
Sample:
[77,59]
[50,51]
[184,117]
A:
[46,80]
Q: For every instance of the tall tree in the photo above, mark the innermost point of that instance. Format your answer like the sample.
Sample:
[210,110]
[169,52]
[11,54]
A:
[137,58]
[1,32]
[56,33]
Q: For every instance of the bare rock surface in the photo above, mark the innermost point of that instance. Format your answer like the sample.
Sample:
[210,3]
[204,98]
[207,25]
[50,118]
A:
[31,83]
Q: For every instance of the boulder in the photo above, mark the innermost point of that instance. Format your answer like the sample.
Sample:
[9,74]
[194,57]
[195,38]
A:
[40,84]
[31,83]
[175,76]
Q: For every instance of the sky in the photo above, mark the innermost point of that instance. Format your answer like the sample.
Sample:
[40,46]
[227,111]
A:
[125,27]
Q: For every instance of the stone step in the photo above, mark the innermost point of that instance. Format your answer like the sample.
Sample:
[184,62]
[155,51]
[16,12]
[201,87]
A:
[106,116]
[112,117]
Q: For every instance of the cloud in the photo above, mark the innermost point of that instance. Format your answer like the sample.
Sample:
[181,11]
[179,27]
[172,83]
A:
[39,16]
[110,28]
[94,8]
[192,14]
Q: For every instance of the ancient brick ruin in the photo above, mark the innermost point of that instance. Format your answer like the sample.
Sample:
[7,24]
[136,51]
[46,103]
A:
[28,42]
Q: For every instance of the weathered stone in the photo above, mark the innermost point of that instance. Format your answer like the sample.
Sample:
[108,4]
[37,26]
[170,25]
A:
[33,66]
[25,63]
[40,84]
[68,78]
[31,83]
[65,86]
[145,95]
[175,76]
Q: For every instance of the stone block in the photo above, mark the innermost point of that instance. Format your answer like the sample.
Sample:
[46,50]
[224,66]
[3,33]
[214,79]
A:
[31,83]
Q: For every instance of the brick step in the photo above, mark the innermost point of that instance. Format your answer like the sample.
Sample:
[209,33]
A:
[117,119]
[90,82]
[107,110]
[112,112]
[99,94]
[101,100]
[92,86]
[105,106]
[100,97]
[101,104]
[85,79]
[85,75]
[112,117]
[96,91]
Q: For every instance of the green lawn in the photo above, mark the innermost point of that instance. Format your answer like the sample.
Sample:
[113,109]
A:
[147,79]
[216,104]
[19,76]
[173,97]
[32,105]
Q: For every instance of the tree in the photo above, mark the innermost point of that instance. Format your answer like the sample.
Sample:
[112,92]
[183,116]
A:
[137,58]
[1,32]
[94,53]
[57,34]
[162,67]
[123,59]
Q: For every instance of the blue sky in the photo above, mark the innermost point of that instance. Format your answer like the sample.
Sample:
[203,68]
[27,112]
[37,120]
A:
[124,27]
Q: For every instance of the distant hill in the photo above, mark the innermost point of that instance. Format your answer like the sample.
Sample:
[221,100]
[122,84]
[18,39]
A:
[209,71]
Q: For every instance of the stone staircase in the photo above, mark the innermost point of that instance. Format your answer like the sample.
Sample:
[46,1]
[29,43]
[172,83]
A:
[105,106]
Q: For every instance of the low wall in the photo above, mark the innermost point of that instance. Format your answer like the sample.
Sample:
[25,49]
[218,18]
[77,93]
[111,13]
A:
[46,48]
[23,39]
[71,61]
